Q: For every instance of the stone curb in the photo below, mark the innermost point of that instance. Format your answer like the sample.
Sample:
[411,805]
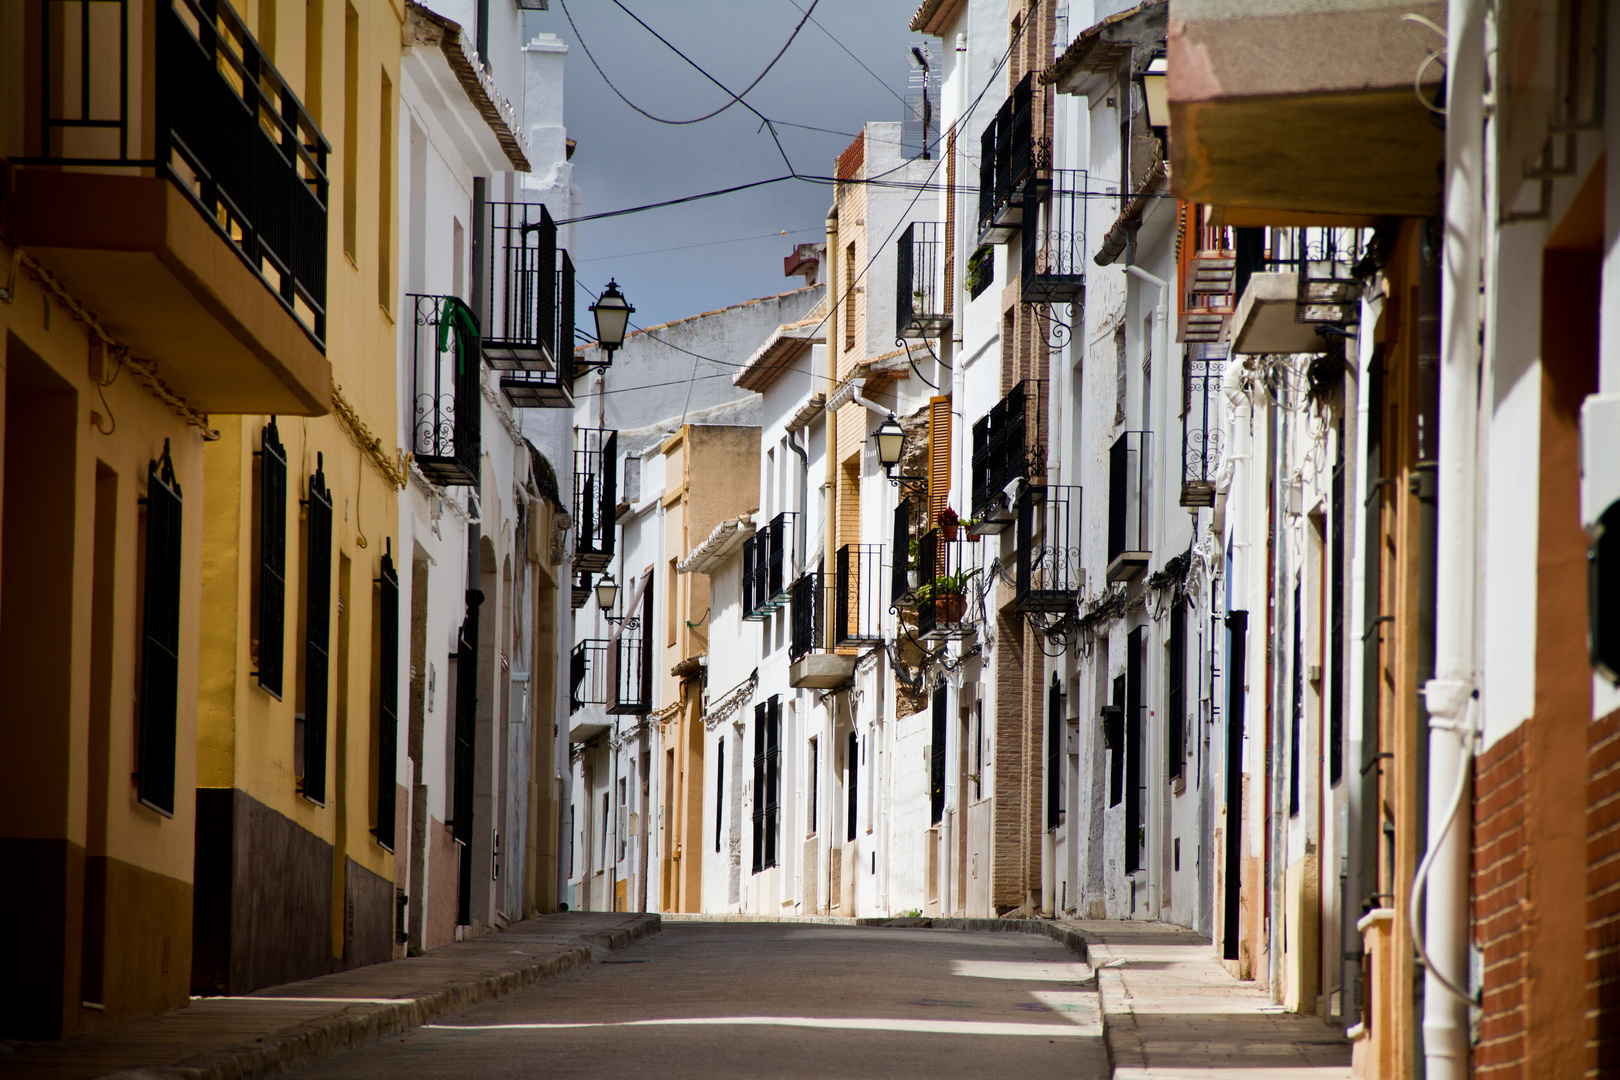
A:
[296,1047]
[1121,1037]
[1071,939]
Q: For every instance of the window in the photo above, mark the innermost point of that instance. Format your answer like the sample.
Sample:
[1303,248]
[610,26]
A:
[272,620]
[618,823]
[385,197]
[1054,754]
[852,767]
[672,603]
[939,456]
[936,758]
[815,776]
[387,696]
[1114,736]
[1176,698]
[849,298]
[351,128]
[1297,711]
[466,726]
[1134,708]
[719,790]
[317,632]
[978,750]
[160,637]
[314,55]
[767,780]
[605,809]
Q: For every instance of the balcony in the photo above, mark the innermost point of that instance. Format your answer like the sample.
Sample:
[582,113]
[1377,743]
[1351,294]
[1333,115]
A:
[902,582]
[948,602]
[1201,423]
[1305,278]
[1049,573]
[1207,267]
[445,398]
[528,316]
[173,183]
[587,689]
[1130,473]
[1007,158]
[767,567]
[629,658]
[1054,239]
[1009,444]
[596,467]
[858,600]
[810,666]
[921,291]
[1259,100]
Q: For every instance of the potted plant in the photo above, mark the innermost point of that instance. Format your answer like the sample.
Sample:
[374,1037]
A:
[948,594]
[948,522]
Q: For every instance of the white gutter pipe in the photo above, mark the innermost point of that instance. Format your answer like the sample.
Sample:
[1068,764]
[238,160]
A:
[1443,942]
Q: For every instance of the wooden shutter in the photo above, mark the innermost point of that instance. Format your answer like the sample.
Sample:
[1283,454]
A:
[759,786]
[160,638]
[1054,754]
[852,763]
[387,696]
[317,632]
[936,758]
[939,456]
[272,628]
[773,776]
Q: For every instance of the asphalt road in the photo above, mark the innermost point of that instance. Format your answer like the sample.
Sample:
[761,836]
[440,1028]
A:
[773,1000]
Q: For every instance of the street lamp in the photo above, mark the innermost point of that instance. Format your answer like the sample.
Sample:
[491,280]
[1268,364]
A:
[891,443]
[612,316]
[1156,91]
[607,594]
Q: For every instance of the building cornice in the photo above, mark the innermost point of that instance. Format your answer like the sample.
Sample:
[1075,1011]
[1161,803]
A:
[424,27]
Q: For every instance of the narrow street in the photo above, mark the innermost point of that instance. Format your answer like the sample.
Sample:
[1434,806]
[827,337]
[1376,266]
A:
[749,999]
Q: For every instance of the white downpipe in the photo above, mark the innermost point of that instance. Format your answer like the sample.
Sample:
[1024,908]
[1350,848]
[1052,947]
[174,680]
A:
[1444,935]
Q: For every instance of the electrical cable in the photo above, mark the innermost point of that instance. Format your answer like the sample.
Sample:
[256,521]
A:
[735,98]
[689,247]
[852,56]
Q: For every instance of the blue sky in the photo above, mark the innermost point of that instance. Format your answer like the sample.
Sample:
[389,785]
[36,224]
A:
[624,159]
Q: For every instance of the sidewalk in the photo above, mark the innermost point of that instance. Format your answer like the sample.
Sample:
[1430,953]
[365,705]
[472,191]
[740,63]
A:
[1171,1012]
[285,1027]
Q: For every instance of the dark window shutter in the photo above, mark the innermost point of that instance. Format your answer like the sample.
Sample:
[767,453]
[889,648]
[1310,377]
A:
[387,697]
[318,633]
[1054,754]
[748,601]
[647,644]
[272,559]
[1133,750]
[773,776]
[719,788]
[609,490]
[900,556]
[1176,703]
[852,762]
[160,637]
[759,787]
[936,760]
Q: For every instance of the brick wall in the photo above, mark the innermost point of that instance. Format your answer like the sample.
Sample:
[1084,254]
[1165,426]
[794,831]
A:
[1007,840]
[1499,896]
[1603,899]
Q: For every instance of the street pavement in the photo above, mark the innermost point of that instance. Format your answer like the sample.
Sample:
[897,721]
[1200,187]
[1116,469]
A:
[772,1000]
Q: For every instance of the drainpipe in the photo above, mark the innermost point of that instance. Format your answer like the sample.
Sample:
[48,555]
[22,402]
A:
[1444,938]
[829,532]
[800,537]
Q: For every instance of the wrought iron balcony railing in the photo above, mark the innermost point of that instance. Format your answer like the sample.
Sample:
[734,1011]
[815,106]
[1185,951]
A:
[921,290]
[596,465]
[1007,159]
[1049,576]
[630,659]
[768,567]
[587,674]
[530,308]
[809,607]
[1009,444]
[1324,260]
[445,398]
[1207,263]
[947,593]
[1201,423]
[1130,479]
[1054,238]
[211,114]
[858,594]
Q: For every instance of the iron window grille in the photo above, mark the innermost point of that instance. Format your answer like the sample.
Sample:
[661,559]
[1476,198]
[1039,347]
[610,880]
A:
[768,564]
[1054,239]
[446,398]
[948,603]
[587,674]
[317,633]
[1202,368]
[225,126]
[272,628]
[387,696]
[857,594]
[629,660]
[1049,575]
[159,705]
[465,758]
[808,606]
[921,291]
[1007,159]
[767,781]
[596,497]
[1008,444]
[528,314]
[1130,477]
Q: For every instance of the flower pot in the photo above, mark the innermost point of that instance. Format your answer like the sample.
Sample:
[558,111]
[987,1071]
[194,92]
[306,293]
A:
[949,533]
[950,608]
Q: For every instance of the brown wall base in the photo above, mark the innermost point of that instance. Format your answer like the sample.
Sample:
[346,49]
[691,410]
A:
[368,916]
